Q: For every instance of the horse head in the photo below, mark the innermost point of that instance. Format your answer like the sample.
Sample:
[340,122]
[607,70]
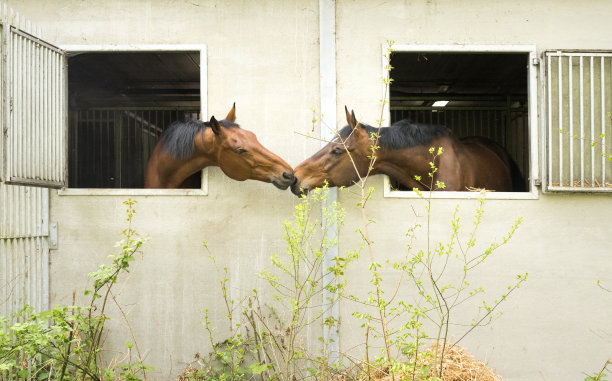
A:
[240,155]
[342,162]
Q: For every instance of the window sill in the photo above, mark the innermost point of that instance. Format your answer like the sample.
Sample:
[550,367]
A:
[531,195]
[130,192]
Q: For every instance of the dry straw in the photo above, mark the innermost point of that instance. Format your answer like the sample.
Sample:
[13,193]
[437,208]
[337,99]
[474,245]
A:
[458,365]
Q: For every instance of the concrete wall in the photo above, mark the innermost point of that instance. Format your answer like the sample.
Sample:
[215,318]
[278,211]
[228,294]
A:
[563,244]
[265,56]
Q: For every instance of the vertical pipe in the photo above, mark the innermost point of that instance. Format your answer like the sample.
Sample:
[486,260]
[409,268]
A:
[327,77]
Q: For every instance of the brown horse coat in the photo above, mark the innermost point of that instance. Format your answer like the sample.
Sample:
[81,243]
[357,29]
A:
[186,148]
[405,153]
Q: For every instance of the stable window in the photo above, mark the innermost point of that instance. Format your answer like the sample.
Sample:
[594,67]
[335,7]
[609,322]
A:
[579,122]
[482,91]
[120,102]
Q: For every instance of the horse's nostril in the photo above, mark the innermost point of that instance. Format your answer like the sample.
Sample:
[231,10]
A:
[288,176]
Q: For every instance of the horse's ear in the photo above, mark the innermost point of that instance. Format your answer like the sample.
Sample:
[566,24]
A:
[349,120]
[353,123]
[215,126]
[231,116]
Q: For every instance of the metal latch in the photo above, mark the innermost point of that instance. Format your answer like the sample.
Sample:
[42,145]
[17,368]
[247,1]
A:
[53,244]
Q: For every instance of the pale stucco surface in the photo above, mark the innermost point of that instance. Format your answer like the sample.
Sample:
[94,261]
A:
[264,55]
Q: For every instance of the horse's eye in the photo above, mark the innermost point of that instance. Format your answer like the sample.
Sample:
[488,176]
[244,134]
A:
[338,151]
[241,151]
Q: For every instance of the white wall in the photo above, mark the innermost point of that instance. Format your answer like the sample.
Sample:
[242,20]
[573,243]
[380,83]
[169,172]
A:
[264,55]
[552,326]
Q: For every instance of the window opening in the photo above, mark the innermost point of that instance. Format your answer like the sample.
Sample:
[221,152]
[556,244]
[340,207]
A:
[484,94]
[119,105]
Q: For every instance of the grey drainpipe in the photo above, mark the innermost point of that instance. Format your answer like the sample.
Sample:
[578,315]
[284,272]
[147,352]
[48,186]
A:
[327,64]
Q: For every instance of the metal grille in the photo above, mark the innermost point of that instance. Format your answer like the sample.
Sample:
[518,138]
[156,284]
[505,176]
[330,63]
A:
[23,211]
[579,123]
[24,252]
[32,152]
[24,279]
[507,126]
[110,148]
[37,111]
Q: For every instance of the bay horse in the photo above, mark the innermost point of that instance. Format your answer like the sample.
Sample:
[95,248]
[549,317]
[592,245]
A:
[187,147]
[404,155]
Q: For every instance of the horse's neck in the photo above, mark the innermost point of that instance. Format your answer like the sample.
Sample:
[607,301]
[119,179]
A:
[171,173]
[204,156]
[412,166]
[403,165]
[166,172]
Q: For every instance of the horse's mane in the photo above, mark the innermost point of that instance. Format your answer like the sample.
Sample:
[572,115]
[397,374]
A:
[402,134]
[178,139]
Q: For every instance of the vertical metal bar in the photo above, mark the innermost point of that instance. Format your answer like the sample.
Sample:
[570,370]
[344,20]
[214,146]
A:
[582,136]
[145,133]
[38,126]
[61,163]
[52,130]
[118,148]
[560,101]
[603,122]
[592,103]
[97,147]
[45,127]
[91,167]
[58,110]
[108,143]
[77,153]
[59,118]
[33,119]
[21,110]
[27,126]
[549,84]
[15,117]
[128,152]
[54,151]
[571,121]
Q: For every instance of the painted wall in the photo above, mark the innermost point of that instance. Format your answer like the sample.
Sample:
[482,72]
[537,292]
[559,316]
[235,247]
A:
[549,323]
[265,56]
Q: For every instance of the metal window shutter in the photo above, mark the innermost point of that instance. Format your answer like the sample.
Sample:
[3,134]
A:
[578,121]
[35,110]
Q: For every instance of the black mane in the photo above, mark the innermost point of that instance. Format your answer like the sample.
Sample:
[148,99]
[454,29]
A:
[402,134]
[178,139]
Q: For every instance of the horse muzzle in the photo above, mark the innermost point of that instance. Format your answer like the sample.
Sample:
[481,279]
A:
[297,190]
[284,182]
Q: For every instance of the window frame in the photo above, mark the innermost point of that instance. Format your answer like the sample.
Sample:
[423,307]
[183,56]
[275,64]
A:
[142,48]
[532,96]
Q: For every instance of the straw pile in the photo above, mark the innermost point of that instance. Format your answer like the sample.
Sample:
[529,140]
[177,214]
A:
[458,365]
